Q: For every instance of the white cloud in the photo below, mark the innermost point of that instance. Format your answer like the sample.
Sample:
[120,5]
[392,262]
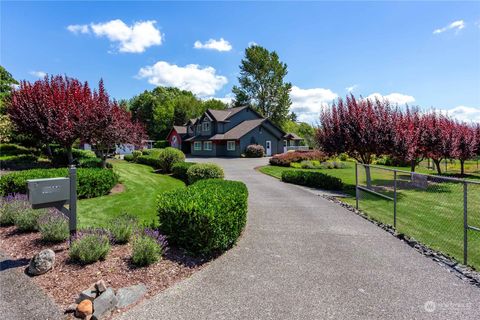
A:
[455,25]
[135,38]
[78,28]
[212,44]
[307,103]
[351,88]
[201,81]
[463,113]
[227,99]
[395,98]
[38,74]
[252,43]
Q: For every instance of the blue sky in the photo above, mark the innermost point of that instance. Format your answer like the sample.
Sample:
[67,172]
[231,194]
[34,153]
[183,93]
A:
[425,53]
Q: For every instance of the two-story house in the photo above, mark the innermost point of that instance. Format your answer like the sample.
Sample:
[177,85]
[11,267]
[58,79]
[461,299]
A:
[227,133]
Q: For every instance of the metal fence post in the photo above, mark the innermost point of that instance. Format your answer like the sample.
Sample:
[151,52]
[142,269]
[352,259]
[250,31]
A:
[72,208]
[356,185]
[465,224]
[395,199]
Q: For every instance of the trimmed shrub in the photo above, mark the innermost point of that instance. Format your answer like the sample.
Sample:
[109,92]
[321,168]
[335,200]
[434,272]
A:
[122,228]
[312,179]
[148,247]
[26,220]
[149,161]
[179,170]
[136,154]
[206,217]
[128,157]
[90,182]
[53,226]
[332,165]
[201,171]
[151,152]
[90,163]
[60,157]
[285,159]
[254,151]
[10,149]
[90,245]
[160,144]
[10,206]
[17,162]
[168,157]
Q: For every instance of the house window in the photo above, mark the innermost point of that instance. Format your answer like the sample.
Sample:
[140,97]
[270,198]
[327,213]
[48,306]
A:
[206,126]
[207,145]
[231,145]
[197,145]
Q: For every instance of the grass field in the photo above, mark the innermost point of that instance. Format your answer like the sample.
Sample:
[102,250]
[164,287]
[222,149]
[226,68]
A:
[141,185]
[433,215]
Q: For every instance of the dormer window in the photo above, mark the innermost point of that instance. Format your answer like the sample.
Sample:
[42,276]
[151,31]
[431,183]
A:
[206,126]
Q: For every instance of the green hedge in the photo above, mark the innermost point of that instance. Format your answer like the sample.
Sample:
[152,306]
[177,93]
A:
[168,157]
[90,182]
[60,157]
[18,162]
[10,149]
[180,169]
[312,179]
[160,144]
[149,161]
[206,217]
[128,157]
[201,171]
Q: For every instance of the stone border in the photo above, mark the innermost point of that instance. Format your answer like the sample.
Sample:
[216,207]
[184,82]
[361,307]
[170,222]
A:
[463,272]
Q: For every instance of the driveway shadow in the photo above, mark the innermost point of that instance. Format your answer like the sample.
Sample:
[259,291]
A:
[10,264]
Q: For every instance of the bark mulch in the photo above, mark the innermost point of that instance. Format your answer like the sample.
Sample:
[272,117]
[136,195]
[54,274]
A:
[68,279]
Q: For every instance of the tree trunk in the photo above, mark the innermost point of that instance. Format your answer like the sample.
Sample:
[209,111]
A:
[437,164]
[368,176]
[69,155]
[462,167]
[103,156]
[413,164]
[49,151]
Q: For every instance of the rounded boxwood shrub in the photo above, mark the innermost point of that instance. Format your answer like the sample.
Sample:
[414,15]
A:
[122,227]
[179,170]
[168,157]
[206,217]
[136,154]
[201,171]
[26,219]
[254,151]
[312,179]
[160,144]
[91,182]
[90,245]
[148,247]
[128,157]
[53,226]
[10,206]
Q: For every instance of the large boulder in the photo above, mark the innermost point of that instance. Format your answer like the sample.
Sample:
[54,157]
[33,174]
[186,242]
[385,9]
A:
[104,304]
[127,296]
[42,262]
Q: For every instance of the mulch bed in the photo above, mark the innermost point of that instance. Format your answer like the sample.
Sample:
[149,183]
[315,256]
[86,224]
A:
[68,279]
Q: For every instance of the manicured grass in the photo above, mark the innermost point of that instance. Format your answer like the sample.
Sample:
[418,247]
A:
[139,198]
[433,216]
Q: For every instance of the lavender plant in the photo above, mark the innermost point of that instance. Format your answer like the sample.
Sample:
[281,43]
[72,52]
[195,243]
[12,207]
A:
[53,226]
[90,245]
[10,206]
[122,228]
[148,247]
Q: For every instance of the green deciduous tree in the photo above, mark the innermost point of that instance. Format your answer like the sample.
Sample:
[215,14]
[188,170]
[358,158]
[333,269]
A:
[6,83]
[262,84]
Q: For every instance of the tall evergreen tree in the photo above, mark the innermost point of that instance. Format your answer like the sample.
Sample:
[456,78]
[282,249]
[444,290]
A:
[262,84]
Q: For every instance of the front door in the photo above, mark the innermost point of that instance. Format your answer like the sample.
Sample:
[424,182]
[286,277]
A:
[269,148]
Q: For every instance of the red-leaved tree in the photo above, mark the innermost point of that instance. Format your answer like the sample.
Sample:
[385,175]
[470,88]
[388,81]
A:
[408,132]
[464,144]
[431,138]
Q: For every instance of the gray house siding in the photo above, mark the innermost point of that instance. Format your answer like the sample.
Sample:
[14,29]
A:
[222,149]
[203,152]
[261,138]
[245,114]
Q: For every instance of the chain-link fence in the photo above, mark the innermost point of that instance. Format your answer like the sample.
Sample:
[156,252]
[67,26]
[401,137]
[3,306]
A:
[441,212]
[452,165]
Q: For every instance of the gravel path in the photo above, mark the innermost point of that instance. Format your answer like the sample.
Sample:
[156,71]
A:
[20,298]
[303,257]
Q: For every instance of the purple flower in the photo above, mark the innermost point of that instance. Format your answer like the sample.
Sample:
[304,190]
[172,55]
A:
[158,237]
[99,232]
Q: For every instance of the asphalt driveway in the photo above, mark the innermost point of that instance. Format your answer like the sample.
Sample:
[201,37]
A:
[303,257]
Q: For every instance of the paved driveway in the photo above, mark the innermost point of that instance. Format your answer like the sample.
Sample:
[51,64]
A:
[302,257]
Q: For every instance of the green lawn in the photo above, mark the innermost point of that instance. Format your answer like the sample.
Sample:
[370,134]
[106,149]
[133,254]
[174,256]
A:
[433,215]
[142,186]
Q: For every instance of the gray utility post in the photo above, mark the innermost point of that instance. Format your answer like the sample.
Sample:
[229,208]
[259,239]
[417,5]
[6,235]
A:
[56,193]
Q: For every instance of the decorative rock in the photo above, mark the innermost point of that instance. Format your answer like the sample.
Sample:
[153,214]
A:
[104,303]
[101,286]
[90,294]
[71,308]
[41,262]
[127,296]
[84,309]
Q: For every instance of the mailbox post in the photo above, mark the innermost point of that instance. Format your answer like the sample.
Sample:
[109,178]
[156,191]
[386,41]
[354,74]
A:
[56,192]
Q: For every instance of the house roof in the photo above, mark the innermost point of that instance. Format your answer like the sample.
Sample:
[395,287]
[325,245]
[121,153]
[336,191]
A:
[180,129]
[191,121]
[223,115]
[292,136]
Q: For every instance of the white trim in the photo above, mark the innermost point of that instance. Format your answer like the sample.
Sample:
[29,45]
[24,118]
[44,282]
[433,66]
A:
[199,144]
[207,145]
[229,143]
[206,126]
